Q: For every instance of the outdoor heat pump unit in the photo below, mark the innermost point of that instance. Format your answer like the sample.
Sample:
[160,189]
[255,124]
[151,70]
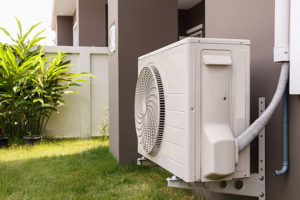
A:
[191,103]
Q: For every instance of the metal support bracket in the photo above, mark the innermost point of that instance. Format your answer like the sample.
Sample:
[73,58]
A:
[253,186]
[145,162]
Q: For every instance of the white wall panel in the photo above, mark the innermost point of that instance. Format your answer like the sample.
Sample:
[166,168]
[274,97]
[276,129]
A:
[82,113]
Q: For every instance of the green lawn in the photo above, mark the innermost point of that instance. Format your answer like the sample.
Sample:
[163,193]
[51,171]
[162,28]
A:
[78,169]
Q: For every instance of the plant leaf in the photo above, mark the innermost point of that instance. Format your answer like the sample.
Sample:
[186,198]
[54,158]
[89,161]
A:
[7,33]
[19,25]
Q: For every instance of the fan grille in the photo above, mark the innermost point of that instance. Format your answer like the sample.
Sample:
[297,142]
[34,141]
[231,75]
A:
[149,109]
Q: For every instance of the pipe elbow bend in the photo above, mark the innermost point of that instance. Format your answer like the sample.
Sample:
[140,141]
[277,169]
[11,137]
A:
[282,171]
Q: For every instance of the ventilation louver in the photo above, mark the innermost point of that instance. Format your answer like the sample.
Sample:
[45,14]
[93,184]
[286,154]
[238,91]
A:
[149,109]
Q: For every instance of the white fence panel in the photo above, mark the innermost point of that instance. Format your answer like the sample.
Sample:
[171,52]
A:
[82,114]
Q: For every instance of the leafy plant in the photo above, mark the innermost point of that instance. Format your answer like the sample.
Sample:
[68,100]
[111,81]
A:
[31,85]
[103,127]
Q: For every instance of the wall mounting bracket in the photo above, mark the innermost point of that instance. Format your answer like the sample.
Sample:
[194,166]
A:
[253,186]
[145,162]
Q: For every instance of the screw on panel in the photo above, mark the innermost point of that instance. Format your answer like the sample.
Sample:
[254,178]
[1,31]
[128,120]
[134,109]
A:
[223,184]
[206,185]
[191,184]
[238,184]
[261,178]
[262,194]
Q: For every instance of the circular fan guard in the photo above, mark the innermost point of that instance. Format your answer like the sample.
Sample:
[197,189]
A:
[149,109]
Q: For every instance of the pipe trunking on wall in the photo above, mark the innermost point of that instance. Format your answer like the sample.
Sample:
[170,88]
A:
[192,109]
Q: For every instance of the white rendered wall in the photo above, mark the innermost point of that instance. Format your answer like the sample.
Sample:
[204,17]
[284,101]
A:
[82,114]
[295,47]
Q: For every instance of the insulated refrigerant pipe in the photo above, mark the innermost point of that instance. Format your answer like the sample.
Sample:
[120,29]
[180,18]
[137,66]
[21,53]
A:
[281,54]
[249,134]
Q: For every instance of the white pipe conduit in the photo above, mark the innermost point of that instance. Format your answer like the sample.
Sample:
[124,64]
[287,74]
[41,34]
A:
[281,54]
[282,26]
[281,32]
[249,134]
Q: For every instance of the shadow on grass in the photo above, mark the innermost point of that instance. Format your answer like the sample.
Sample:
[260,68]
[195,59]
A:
[92,174]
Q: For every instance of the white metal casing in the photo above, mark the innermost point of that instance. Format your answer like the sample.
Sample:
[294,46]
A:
[207,88]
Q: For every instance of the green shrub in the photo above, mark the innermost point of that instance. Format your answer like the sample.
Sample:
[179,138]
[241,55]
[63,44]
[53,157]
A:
[31,85]
[103,127]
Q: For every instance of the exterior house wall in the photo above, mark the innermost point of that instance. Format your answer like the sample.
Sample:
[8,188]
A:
[192,17]
[141,27]
[254,20]
[82,113]
[64,31]
[113,64]
[74,17]
[91,19]
[84,24]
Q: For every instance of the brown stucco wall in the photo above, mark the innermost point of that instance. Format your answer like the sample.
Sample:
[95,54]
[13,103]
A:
[254,20]
[64,31]
[142,26]
[92,22]
[192,17]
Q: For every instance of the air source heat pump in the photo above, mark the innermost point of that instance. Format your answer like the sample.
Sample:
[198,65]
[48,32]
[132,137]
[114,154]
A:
[191,102]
